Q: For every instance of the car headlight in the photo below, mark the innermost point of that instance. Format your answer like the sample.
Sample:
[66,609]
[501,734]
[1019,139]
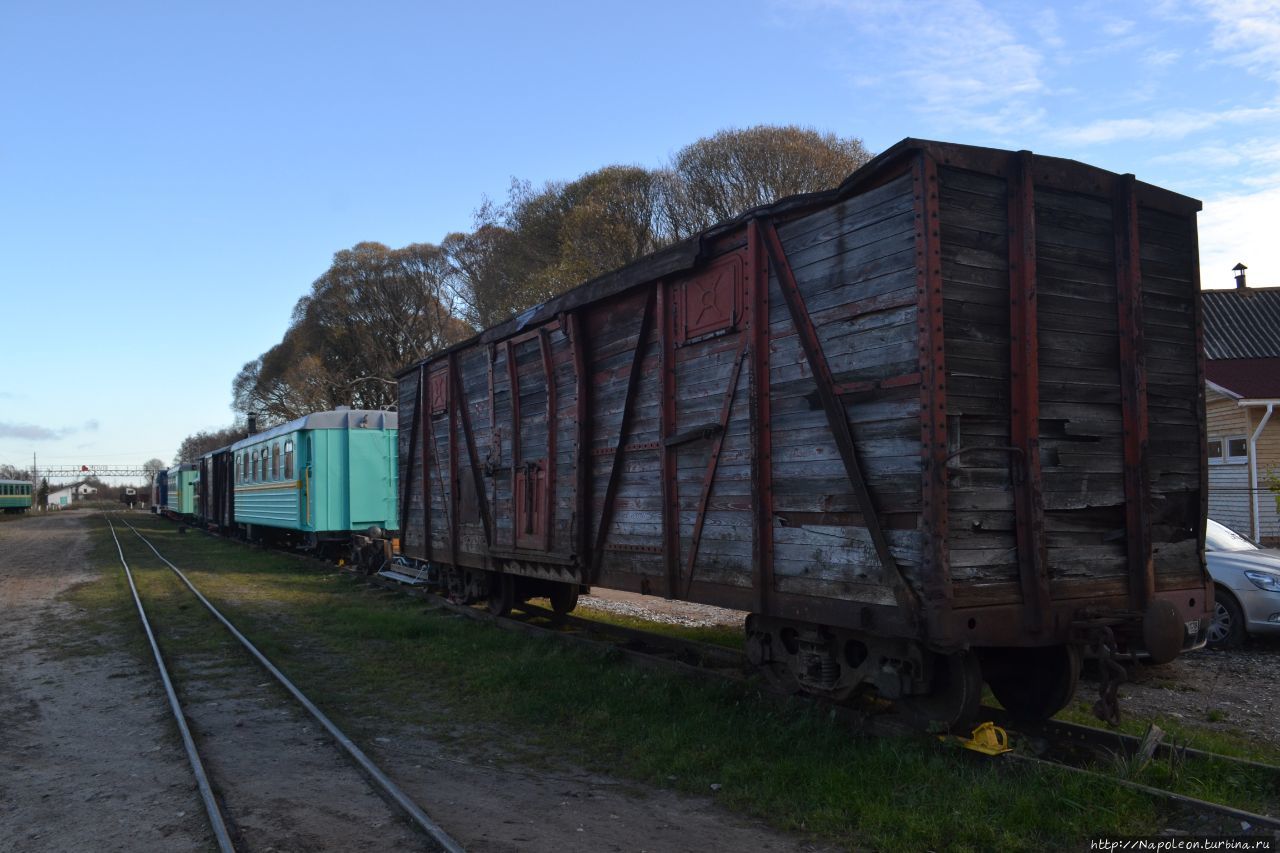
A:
[1264,580]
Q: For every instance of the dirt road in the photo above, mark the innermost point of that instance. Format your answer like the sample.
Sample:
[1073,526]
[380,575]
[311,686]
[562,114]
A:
[89,759]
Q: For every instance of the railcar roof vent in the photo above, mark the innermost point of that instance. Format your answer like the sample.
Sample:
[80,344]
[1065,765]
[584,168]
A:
[1239,270]
[251,423]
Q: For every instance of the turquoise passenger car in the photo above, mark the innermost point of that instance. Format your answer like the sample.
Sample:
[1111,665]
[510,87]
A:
[15,495]
[319,478]
[180,498]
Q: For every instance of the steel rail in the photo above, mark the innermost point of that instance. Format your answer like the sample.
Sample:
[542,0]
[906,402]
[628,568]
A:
[398,796]
[1182,799]
[1105,738]
[193,755]
[870,723]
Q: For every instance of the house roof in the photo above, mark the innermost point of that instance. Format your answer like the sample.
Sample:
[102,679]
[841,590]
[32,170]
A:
[1242,324]
[1251,378]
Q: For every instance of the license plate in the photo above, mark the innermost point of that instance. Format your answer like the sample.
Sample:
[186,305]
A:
[1193,627]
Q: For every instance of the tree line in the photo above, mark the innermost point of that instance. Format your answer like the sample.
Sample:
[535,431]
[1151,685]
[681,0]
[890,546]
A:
[378,309]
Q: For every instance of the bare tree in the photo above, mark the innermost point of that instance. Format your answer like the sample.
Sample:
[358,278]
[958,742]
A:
[721,176]
[198,444]
[151,468]
[374,311]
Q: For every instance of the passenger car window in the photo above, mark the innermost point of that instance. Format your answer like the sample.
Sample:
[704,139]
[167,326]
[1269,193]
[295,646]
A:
[275,461]
[288,460]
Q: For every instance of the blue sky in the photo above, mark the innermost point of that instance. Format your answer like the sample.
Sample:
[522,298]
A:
[174,176]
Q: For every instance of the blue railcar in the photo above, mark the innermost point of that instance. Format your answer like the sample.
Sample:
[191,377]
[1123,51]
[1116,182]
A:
[317,480]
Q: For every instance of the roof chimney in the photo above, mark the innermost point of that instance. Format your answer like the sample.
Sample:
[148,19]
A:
[251,423]
[1239,269]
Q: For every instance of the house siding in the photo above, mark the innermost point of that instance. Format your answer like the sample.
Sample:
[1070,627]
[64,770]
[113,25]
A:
[1268,461]
[1228,483]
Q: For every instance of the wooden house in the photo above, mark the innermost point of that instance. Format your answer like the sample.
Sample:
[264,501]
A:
[1242,396]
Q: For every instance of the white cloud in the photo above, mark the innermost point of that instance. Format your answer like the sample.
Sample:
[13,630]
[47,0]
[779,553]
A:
[1161,58]
[1247,33]
[1162,126]
[959,61]
[35,432]
[1241,228]
[1116,27]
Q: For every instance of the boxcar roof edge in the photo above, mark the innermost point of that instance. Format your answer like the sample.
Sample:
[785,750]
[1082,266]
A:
[687,253]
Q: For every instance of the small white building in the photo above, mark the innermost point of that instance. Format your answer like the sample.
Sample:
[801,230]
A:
[70,494]
[61,498]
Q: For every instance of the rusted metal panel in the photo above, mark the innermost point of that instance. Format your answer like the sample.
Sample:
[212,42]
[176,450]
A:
[711,301]
[1024,394]
[439,391]
[1133,390]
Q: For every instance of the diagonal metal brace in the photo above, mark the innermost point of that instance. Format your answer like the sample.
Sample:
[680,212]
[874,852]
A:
[836,417]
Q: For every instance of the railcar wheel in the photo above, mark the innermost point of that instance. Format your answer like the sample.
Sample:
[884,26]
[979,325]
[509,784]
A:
[502,595]
[564,598]
[1035,683]
[955,693]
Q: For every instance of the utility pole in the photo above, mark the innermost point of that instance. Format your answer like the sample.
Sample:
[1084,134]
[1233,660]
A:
[35,482]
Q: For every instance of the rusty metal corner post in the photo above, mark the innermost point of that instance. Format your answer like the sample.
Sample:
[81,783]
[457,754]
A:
[667,429]
[1133,392]
[935,571]
[1201,418]
[406,487]
[549,475]
[757,277]
[1024,395]
[581,448]
[452,402]
[837,417]
[423,417]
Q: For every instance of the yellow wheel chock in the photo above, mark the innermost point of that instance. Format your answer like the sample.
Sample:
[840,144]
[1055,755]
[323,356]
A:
[988,738]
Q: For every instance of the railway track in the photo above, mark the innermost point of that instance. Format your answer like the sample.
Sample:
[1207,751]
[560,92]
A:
[217,790]
[1067,746]
[1070,747]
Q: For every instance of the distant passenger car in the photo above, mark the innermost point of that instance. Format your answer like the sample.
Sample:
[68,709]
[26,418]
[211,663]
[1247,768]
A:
[15,495]
[179,501]
[314,481]
[1246,582]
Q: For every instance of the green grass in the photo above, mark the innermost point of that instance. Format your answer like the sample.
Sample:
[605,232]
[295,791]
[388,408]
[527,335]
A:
[374,660]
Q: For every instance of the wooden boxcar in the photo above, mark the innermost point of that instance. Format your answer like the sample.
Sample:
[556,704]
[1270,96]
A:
[316,479]
[939,425]
[15,496]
